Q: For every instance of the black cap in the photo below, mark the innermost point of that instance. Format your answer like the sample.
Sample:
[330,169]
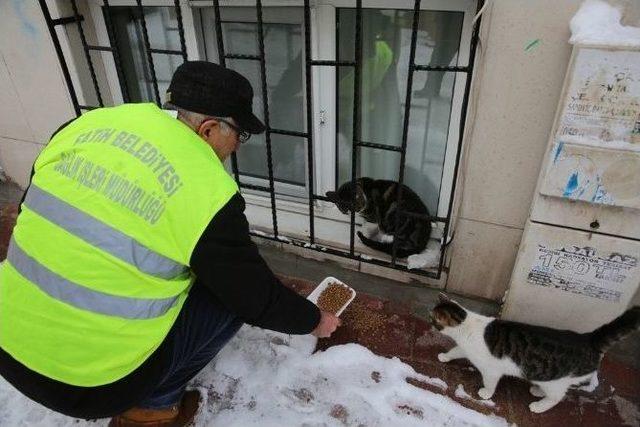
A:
[208,88]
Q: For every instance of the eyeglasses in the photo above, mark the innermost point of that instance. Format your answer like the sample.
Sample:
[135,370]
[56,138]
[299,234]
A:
[243,135]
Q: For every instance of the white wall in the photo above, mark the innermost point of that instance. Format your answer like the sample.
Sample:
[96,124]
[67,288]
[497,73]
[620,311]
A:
[33,95]
[517,91]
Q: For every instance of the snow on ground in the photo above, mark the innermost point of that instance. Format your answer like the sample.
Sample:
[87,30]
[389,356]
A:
[598,23]
[264,378]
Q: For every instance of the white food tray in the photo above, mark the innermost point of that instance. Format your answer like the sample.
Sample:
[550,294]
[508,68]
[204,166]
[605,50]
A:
[313,296]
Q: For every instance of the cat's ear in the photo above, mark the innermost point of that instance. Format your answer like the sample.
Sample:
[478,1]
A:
[365,181]
[331,195]
[442,297]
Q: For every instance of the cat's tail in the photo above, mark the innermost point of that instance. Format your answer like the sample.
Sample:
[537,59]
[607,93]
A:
[607,335]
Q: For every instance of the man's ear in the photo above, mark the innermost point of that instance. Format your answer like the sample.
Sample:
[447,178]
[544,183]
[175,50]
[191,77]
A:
[207,127]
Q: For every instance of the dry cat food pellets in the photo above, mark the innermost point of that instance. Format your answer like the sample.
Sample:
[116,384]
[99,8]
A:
[334,297]
[363,319]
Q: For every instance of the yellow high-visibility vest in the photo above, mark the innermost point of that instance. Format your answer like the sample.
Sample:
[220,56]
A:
[98,265]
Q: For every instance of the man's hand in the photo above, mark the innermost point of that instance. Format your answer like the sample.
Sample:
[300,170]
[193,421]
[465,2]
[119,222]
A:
[328,324]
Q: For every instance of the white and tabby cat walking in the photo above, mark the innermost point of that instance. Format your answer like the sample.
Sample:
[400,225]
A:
[552,360]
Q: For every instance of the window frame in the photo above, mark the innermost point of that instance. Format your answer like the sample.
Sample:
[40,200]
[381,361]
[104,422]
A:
[293,212]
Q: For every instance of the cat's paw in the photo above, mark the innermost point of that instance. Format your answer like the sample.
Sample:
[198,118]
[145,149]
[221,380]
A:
[541,406]
[588,387]
[535,407]
[591,385]
[443,357]
[536,391]
[485,393]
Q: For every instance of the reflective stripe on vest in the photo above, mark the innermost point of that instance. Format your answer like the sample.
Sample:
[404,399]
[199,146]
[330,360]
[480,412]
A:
[101,235]
[82,297]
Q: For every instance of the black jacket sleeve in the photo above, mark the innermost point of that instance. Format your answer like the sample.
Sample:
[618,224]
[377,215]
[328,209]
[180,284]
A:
[228,263]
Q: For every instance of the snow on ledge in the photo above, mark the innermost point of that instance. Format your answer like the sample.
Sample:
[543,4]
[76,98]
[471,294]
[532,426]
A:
[598,23]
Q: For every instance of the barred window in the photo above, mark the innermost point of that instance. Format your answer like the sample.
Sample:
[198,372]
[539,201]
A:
[284,173]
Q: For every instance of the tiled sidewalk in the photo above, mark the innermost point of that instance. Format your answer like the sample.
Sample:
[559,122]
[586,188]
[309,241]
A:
[389,329]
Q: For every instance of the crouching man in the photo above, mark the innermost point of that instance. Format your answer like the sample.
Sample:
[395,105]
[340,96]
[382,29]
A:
[131,264]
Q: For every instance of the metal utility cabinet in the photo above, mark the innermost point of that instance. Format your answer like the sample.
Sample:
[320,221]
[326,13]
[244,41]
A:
[578,264]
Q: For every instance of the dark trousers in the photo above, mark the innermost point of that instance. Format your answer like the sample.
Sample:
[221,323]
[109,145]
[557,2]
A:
[202,328]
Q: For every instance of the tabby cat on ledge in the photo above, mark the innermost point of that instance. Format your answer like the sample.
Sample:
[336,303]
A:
[376,203]
[551,359]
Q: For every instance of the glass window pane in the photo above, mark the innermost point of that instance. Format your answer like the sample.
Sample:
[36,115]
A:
[162,29]
[286,95]
[385,59]
[240,38]
[288,154]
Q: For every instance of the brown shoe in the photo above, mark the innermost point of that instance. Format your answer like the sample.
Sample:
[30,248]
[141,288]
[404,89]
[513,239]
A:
[175,416]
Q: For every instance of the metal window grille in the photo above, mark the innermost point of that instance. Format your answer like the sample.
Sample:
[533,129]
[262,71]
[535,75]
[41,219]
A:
[310,63]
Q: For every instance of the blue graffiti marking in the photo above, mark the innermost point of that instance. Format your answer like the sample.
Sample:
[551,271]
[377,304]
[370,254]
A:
[602,197]
[596,195]
[571,186]
[558,150]
[584,188]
